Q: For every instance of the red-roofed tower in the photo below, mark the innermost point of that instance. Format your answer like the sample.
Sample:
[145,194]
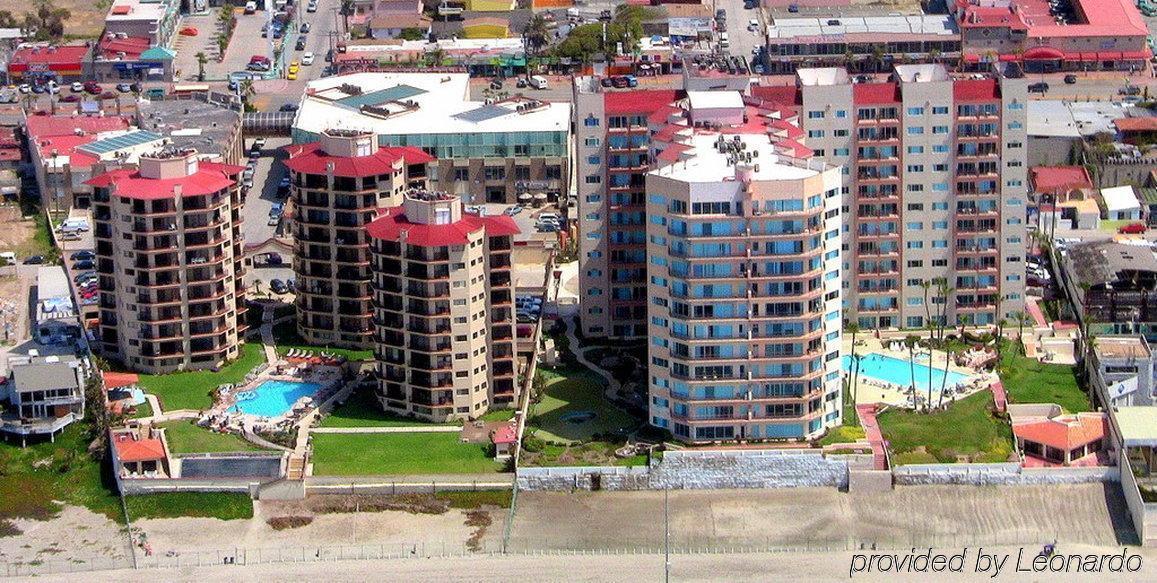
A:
[169,258]
[443,309]
[338,185]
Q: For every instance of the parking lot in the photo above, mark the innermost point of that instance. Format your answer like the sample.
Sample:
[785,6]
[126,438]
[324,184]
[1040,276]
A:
[268,172]
[185,65]
[742,39]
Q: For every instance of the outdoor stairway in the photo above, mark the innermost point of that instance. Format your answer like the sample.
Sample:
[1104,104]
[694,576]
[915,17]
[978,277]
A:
[867,415]
[296,468]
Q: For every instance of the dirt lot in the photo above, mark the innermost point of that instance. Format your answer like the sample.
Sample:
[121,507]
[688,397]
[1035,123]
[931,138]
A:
[17,234]
[819,517]
[87,15]
[77,534]
[418,525]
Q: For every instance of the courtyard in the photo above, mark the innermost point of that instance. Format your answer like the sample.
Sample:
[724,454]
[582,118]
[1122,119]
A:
[574,408]
[371,454]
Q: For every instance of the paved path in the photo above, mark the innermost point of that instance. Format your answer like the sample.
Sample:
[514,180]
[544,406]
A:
[155,403]
[267,336]
[867,414]
[612,389]
[406,429]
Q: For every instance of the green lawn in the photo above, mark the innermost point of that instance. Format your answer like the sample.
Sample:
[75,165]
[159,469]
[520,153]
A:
[965,428]
[35,481]
[285,337]
[577,393]
[498,415]
[223,505]
[185,437]
[1027,380]
[190,390]
[368,454]
[362,410]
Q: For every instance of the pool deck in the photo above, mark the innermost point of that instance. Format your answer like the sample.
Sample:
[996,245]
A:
[867,392]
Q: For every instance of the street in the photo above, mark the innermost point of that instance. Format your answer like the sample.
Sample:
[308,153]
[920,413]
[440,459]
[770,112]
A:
[742,39]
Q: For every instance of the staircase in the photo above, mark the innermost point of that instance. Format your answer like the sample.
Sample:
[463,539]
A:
[296,467]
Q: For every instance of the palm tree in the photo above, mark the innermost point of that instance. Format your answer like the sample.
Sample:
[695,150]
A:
[436,56]
[536,33]
[944,381]
[1020,318]
[926,286]
[911,341]
[930,366]
[201,60]
[1000,324]
[854,328]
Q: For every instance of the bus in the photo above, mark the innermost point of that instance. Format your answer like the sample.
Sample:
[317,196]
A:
[189,88]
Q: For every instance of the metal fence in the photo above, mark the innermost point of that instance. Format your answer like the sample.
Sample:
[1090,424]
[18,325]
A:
[434,549]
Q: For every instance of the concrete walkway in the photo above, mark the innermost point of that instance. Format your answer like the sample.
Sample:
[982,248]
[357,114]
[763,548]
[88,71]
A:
[267,336]
[406,429]
[612,389]
[867,414]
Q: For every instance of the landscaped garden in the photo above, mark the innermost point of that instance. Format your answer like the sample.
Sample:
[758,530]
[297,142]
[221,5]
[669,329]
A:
[1027,380]
[593,453]
[185,437]
[573,408]
[364,454]
[191,390]
[966,428]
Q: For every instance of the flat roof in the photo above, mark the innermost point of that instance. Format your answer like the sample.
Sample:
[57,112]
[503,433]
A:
[1138,425]
[1048,118]
[442,105]
[137,10]
[1120,198]
[702,162]
[217,124]
[715,99]
[1121,347]
[798,29]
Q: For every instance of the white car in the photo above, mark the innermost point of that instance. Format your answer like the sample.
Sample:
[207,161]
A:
[77,87]
[307,58]
[312,7]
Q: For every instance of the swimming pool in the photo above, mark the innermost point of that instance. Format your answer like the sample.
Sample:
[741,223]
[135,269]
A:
[274,398]
[898,372]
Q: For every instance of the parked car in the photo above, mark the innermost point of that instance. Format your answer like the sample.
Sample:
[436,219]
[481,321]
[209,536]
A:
[301,40]
[1070,79]
[514,210]
[1129,90]
[34,260]
[83,264]
[289,107]
[1039,87]
[278,286]
[124,87]
[92,87]
[304,27]
[273,221]
[85,254]
[307,58]
[77,87]
[1133,229]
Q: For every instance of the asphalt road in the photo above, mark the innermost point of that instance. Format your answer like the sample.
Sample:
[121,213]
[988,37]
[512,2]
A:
[743,41]
[267,174]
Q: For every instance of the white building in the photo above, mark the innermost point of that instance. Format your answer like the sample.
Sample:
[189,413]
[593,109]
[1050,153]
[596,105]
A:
[1121,203]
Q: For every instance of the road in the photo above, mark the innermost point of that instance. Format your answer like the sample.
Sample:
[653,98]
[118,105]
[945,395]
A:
[743,40]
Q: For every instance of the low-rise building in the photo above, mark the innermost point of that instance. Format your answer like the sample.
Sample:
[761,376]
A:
[860,42]
[63,166]
[443,309]
[56,317]
[45,395]
[1113,286]
[487,151]
[40,63]
[1124,371]
[1121,203]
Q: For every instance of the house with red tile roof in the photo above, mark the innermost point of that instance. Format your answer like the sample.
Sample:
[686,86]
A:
[139,453]
[1047,437]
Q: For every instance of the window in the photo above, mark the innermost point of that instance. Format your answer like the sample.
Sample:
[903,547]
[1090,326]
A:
[914,188]
[461,174]
[843,152]
[841,114]
[940,167]
[939,129]
[840,133]
[915,226]
[915,111]
[940,244]
[815,133]
[939,206]
[915,149]
[591,121]
[594,179]
[940,149]
[594,160]
[940,110]
[914,244]
[915,206]
[594,142]
[1016,105]
[915,130]
[815,115]
[939,225]
[494,173]
[940,187]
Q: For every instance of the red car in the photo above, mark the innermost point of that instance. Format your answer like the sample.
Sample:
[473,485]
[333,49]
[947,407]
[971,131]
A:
[1133,229]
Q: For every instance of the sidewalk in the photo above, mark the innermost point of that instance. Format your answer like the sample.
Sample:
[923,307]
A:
[413,429]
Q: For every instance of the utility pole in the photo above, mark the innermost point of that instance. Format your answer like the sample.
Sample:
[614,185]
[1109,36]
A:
[666,536]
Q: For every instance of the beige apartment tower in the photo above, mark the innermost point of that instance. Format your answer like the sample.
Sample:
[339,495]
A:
[337,185]
[443,309]
[169,258]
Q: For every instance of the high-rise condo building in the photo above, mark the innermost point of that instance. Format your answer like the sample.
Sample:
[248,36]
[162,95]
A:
[338,184]
[935,184]
[443,308]
[169,258]
[743,276]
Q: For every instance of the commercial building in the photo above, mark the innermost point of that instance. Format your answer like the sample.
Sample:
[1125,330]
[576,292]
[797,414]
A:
[45,394]
[1113,286]
[935,181]
[41,63]
[169,259]
[337,187]
[153,20]
[57,321]
[1124,371]
[1082,35]
[487,151]
[743,277]
[57,147]
[207,122]
[865,43]
[443,309]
